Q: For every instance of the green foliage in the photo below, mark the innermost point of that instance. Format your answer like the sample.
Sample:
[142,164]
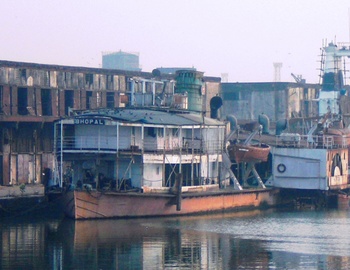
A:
[22,188]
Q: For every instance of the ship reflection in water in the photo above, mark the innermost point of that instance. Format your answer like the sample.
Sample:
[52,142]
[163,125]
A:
[250,240]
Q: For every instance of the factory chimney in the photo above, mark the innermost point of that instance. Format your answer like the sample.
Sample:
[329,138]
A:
[277,76]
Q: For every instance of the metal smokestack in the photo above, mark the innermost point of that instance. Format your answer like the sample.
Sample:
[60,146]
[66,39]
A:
[215,104]
[190,83]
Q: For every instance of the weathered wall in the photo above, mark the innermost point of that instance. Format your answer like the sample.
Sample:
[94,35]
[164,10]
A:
[278,101]
[33,96]
[211,90]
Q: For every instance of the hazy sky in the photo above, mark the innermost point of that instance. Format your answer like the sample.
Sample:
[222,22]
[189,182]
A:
[240,37]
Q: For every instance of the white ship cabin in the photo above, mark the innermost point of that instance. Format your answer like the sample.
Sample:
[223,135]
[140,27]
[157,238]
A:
[322,168]
[138,149]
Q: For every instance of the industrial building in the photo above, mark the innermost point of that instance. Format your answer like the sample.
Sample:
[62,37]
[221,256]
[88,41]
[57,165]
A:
[277,100]
[33,96]
[121,60]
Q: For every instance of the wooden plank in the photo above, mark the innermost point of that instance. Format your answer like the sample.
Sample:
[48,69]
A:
[54,100]
[31,168]
[93,100]
[83,99]
[22,169]
[77,100]
[6,166]
[38,105]
[30,98]
[61,105]
[13,169]
[14,105]
[38,169]
[6,106]
[25,168]
[116,99]
[103,99]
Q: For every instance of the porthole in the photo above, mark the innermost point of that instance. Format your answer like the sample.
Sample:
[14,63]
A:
[281,168]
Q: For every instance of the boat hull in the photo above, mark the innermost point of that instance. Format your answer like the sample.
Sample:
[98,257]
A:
[249,153]
[343,201]
[340,137]
[79,204]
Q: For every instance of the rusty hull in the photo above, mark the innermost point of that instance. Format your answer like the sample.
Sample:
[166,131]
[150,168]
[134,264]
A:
[94,204]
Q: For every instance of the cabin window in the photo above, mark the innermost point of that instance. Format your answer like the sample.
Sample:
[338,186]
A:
[128,83]
[23,73]
[109,80]
[175,132]
[306,93]
[68,101]
[1,170]
[89,79]
[151,131]
[1,97]
[68,78]
[22,99]
[88,99]
[110,100]
[46,102]
[160,132]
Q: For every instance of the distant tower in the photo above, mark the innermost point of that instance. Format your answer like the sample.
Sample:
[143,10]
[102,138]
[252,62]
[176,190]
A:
[277,67]
[224,77]
[121,60]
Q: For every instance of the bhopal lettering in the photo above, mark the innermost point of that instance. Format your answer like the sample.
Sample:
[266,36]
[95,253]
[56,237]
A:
[89,121]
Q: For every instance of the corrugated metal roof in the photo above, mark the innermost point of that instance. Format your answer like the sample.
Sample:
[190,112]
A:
[199,119]
[155,117]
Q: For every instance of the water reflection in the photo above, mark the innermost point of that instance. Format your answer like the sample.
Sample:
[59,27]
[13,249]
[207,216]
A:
[250,240]
[150,244]
[25,244]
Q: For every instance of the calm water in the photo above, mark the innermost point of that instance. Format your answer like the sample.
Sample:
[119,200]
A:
[250,240]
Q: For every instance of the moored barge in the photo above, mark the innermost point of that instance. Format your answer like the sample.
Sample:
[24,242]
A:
[82,204]
[137,162]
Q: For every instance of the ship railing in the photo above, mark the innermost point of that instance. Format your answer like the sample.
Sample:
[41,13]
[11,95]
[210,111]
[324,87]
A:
[297,141]
[185,147]
[307,141]
[87,143]
[335,141]
[110,144]
[328,142]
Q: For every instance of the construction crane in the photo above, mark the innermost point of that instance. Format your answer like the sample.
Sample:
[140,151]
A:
[298,78]
[332,78]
